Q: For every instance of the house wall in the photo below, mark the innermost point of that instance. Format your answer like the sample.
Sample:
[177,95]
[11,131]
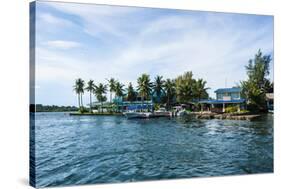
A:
[232,95]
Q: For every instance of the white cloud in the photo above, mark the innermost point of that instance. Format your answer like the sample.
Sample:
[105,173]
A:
[215,48]
[60,44]
[54,21]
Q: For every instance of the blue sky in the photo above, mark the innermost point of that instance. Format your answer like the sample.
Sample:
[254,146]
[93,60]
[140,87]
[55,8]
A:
[98,42]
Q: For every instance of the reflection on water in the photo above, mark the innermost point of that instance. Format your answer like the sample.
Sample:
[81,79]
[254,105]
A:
[74,150]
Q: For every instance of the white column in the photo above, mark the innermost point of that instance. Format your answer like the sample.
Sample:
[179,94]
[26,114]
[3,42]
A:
[223,107]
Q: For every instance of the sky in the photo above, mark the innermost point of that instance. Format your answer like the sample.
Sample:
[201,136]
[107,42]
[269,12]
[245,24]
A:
[98,42]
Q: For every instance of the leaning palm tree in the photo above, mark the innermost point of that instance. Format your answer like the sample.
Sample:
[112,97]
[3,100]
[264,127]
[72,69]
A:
[158,86]
[90,87]
[79,89]
[170,90]
[100,90]
[112,83]
[144,86]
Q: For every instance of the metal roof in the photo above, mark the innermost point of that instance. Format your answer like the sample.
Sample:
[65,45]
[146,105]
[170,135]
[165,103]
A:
[222,101]
[228,90]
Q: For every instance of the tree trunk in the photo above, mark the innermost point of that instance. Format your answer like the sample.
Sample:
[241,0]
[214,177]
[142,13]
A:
[110,97]
[78,95]
[168,102]
[101,107]
[81,100]
[91,101]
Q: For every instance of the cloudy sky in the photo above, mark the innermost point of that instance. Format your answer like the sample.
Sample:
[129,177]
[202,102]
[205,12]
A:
[98,42]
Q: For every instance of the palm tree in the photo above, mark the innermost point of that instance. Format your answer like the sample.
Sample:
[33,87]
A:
[90,87]
[76,89]
[79,89]
[170,90]
[131,94]
[158,86]
[100,90]
[112,83]
[144,86]
[119,91]
[200,89]
[184,87]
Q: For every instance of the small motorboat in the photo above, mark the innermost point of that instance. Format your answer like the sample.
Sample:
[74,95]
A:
[132,115]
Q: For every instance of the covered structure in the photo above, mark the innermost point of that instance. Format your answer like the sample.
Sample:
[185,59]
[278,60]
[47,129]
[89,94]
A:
[225,97]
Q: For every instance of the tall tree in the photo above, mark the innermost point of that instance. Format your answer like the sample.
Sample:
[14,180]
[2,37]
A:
[185,87]
[158,87]
[119,91]
[255,88]
[100,91]
[76,89]
[79,89]
[131,94]
[90,88]
[112,86]
[170,91]
[200,89]
[144,86]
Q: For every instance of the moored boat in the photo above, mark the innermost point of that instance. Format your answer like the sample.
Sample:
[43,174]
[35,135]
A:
[131,115]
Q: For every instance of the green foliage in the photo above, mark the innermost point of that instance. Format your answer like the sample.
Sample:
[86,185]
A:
[53,108]
[91,88]
[144,86]
[79,90]
[112,84]
[188,88]
[83,110]
[131,94]
[119,91]
[244,112]
[170,91]
[231,109]
[158,87]
[257,85]
[157,107]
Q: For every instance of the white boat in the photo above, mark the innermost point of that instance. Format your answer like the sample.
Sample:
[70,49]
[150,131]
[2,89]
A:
[131,115]
[182,113]
[162,112]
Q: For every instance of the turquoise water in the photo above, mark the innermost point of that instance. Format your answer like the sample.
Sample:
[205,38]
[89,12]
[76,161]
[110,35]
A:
[73,150]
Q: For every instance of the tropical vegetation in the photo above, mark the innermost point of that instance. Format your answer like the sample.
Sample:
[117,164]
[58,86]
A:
[183,89]
[254,89]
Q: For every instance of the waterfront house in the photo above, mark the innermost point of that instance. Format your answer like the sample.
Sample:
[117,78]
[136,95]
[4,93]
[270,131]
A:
[225,97]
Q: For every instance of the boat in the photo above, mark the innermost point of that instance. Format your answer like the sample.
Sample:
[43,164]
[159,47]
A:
[162,112]
[182,113]
[132,115]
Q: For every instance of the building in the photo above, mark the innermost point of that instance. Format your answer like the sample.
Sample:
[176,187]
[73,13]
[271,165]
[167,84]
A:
[225,97]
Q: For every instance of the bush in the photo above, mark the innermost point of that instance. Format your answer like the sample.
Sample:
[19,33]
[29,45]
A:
[231,109]
[83,110]
[244,112]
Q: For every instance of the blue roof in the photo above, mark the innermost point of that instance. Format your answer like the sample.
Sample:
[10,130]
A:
[228,90]
[222,101]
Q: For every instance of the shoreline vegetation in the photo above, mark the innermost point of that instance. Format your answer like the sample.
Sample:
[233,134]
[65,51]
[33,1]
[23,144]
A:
[159,93]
